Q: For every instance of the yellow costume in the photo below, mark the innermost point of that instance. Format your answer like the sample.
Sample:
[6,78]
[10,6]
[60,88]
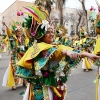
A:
[83,45]
[97,52]
[44,65]
[17,49]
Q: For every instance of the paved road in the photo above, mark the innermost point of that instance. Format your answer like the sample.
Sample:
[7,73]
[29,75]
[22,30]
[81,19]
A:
[8,93]
[80,84]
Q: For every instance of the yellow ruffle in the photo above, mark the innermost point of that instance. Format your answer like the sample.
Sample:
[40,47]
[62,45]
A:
[10,81]
[57,39]
[58,53]
[62,47]
[82,41]
[31,53]
[76,42]
[88,66]
[26,41]
[6,40]
[97,46]
[66,39]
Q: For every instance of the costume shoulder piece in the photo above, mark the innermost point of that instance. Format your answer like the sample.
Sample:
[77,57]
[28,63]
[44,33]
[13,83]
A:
[33,52]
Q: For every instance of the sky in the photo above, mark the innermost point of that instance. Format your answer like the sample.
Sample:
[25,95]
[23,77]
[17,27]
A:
[4,4]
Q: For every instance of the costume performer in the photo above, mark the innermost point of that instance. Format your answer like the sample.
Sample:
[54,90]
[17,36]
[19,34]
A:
[17,48]
[97,52]
[86,44]
[46,65]
[61,37]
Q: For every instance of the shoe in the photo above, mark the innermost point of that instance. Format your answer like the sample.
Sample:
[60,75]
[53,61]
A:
[86,70]
[14,88]
[90,69]
[24,84]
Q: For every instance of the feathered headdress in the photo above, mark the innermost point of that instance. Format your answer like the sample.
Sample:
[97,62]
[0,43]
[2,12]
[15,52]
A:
[36,22]
[92,13]
[16,26]
[61,30]
[98,4]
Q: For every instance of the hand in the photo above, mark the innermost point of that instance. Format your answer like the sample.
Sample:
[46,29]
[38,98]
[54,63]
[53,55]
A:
[73,55]
[22,48]
[3,23]
[91,56]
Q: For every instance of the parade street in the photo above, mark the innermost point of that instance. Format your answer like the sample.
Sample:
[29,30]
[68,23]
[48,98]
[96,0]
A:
[80,85]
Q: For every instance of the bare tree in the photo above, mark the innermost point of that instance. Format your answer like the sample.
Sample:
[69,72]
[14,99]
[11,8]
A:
[79,13]
[47,4]
[59,5]
[84,13]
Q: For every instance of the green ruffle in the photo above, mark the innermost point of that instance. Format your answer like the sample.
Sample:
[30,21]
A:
[66,43]
[63,79]
[51,80]
[41,61]
[88,43]
[40,32]
[38,93]
[63,41]
[24,73]
[54,71]
[73,63]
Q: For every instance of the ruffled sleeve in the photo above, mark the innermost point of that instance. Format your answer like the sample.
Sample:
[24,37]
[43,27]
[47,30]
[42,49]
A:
[31,53]
[58,54]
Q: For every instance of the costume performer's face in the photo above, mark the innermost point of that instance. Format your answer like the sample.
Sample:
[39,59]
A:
[49,36]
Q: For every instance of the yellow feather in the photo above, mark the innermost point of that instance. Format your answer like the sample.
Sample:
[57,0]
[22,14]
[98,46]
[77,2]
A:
[40,13]
[37,19]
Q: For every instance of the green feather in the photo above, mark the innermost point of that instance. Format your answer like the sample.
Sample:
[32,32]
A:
[13,27]
[27,22]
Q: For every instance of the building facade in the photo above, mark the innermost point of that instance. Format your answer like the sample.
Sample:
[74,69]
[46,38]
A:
[10,14]
[70,19]
[70,16]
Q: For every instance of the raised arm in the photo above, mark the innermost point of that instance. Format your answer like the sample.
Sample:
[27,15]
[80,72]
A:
[7,29]
[74,55]
[4,24]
